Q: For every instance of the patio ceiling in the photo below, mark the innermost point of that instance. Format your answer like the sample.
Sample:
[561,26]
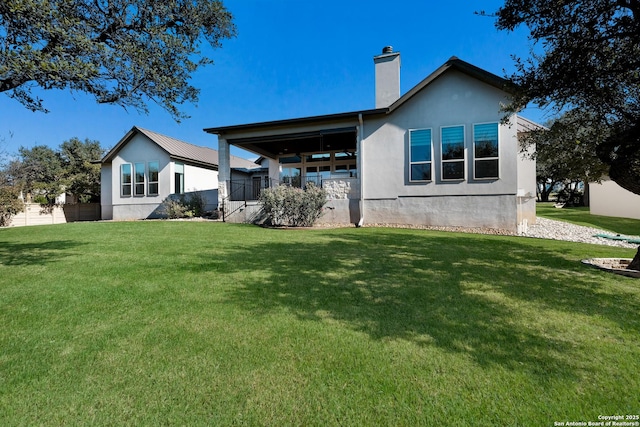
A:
[337,139]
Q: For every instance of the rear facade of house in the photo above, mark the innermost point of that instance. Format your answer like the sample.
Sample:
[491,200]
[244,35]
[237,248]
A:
[439,155]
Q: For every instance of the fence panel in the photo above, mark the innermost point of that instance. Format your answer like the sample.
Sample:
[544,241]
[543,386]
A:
[34,214]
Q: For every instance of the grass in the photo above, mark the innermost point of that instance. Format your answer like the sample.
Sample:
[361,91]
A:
[196,323]
[581,216]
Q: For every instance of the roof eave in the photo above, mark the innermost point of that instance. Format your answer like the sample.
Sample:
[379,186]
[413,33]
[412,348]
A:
[221,130]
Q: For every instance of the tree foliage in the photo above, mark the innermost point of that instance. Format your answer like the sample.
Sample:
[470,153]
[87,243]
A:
[590,62]
[124,52]
[10,204]
[39,173]
[82,172]
[44,173]
[565,153]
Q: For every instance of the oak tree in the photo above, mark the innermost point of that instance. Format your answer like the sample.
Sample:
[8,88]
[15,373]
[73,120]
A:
[124,52]
[588,60]
[82,170]
[565,153]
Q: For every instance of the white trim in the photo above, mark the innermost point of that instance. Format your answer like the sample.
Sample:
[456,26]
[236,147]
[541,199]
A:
[463,160]
[121,181]
[144,179]
[430,162]
[473,144]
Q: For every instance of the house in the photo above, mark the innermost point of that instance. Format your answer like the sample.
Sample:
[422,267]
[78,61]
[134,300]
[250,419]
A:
[609,199]
[439,155]
[145,167]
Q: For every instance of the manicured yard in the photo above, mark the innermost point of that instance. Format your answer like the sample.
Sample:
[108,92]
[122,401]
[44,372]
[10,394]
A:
[199,323]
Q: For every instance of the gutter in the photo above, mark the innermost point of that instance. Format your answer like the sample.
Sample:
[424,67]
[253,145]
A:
[361,169]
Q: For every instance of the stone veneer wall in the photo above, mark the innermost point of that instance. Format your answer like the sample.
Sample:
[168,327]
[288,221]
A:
[341,188]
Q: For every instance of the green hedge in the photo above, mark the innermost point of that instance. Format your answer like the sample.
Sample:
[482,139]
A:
[290,206]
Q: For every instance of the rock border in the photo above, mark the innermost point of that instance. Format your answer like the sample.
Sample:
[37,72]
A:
[613,265]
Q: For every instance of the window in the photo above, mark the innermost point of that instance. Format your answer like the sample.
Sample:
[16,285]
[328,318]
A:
[179,178]
[154,169]
[344,164]
[420,155]
[138,173]
[291,176]
[125,180]
[299,169]
[485,151]
[452,139]
[316,174]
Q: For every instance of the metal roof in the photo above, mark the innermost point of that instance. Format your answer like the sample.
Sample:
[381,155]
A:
[179,150]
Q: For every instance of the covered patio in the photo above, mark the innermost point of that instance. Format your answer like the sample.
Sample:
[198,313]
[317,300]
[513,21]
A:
[323,150]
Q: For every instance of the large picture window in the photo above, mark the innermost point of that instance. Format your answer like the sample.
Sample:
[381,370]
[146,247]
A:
[420,155]
[452,139]
[138,173]
[154,170]
[125,180]
[485,151]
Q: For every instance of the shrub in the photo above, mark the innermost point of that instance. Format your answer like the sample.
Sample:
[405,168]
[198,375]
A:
[291,206]
[196,203]
[184,206]
[10,204]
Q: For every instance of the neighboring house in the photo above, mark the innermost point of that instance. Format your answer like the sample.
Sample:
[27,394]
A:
[439,155]
[609,199]
[145,167]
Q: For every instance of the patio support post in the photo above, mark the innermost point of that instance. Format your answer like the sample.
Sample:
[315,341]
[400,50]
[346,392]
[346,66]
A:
[224,171]
[360,167]
[274,172]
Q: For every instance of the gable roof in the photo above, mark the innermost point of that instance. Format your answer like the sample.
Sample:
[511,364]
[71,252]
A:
[453,63]
[178,150]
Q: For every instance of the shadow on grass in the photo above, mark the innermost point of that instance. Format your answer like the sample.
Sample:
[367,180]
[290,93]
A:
[461,295]
[12,253]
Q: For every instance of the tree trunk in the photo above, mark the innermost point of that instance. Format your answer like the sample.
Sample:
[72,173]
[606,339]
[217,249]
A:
[635,263]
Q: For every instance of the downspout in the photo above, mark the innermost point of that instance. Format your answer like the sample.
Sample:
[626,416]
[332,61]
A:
[360,164]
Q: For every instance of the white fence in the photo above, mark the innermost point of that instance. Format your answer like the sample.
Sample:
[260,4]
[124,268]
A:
[34,214]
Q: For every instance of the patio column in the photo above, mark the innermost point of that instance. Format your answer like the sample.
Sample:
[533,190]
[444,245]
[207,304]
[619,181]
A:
[224,170]
[274,172]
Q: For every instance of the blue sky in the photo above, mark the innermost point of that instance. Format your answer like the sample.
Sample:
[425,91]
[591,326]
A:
[291,58]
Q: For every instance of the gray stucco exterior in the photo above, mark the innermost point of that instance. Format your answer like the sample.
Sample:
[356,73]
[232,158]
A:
[382,192]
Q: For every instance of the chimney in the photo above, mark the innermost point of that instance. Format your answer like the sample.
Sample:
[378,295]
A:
[387,77]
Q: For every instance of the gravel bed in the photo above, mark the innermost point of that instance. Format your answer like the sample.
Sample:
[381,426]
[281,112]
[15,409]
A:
[543,229]
[557,230]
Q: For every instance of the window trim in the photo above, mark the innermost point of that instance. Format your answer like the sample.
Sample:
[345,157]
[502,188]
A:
[464,154]
[421,162]
[156,182]
[137,183]
[124,184]
[480,159]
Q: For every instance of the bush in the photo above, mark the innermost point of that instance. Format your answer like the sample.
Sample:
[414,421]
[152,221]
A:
[290,206]
[196,203]
[10,204]
[184,206]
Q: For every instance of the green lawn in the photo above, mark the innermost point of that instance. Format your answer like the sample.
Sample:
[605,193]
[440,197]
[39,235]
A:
[200,323]
[581,216]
